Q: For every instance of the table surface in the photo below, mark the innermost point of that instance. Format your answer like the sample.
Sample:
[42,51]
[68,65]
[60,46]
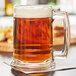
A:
[6,70]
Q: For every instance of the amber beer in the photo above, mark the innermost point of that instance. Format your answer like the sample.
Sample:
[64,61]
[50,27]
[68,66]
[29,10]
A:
[32,37]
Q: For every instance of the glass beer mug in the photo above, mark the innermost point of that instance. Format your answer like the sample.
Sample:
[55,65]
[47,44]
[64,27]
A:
[33,37]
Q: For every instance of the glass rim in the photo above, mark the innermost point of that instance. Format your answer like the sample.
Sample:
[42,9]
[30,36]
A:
[39,5]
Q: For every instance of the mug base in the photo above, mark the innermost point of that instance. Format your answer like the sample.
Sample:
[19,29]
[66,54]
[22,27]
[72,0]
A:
[33,67]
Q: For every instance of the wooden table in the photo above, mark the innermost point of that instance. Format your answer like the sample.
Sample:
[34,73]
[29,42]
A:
[6,70]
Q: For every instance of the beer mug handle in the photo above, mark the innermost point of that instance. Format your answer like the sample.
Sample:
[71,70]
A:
[66,24]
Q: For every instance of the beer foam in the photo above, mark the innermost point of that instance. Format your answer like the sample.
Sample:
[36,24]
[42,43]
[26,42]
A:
[33,11]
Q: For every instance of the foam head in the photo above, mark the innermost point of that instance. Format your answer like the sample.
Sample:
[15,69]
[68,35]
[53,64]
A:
[33,11]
